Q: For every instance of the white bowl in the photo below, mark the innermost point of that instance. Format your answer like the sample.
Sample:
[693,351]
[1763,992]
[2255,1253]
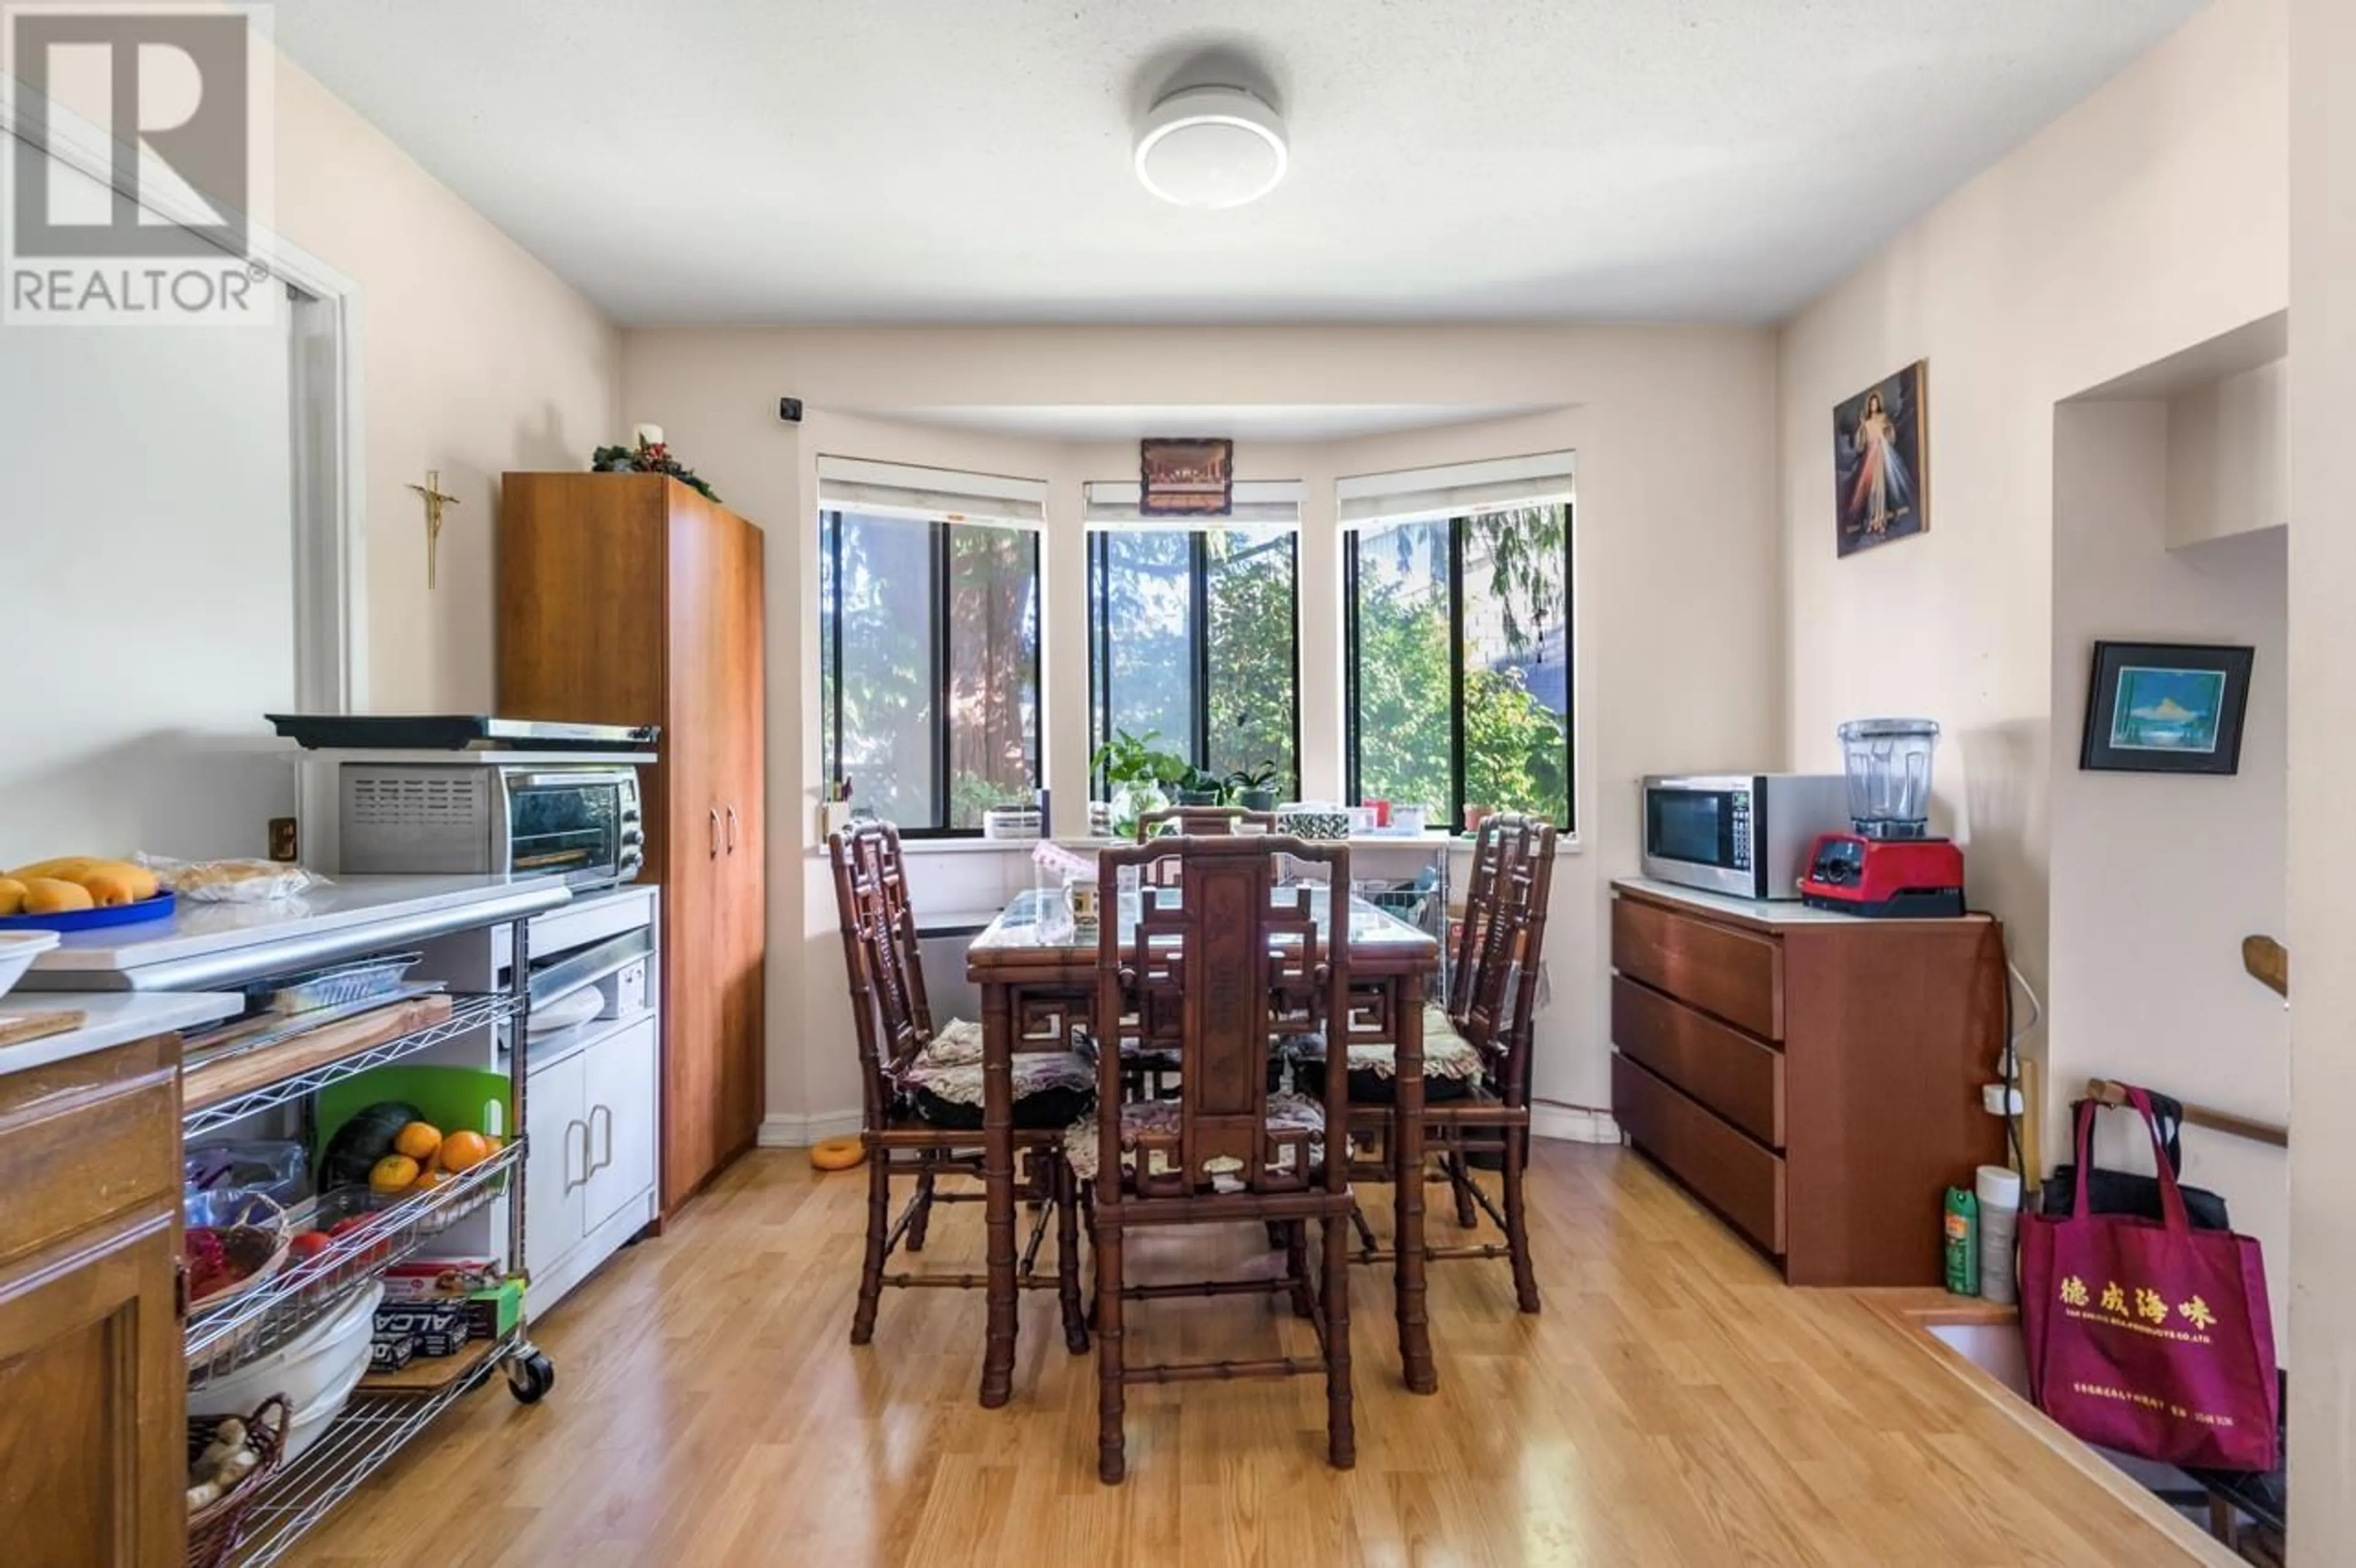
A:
[17,950]
[306,1371]
[310,1423]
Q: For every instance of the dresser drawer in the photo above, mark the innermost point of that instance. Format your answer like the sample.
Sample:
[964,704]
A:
[1741,1179]
[1724,1069]
[1725,973]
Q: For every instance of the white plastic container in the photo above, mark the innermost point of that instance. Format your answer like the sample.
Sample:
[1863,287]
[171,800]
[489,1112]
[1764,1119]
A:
[17,950]
[1999,1194]
[306,1371]
[312,1419]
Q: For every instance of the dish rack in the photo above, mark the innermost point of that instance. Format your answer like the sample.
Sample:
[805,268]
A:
[235,1332]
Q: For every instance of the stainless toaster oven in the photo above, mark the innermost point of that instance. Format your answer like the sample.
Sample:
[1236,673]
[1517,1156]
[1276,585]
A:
[485,814]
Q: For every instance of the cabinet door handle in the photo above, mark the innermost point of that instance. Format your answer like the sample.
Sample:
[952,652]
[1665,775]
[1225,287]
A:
[716,833]
[570,1124]
[603,1160]
[732,830]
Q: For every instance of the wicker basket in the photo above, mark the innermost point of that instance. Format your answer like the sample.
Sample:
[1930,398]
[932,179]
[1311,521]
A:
[215,1530]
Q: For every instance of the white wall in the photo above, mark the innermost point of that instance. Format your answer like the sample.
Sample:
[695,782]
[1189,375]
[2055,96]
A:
[146,569]
[2323,758]
[1676,553]
[145,541]
[476,360]
[2148,218]
[2229,455]
[2157,878]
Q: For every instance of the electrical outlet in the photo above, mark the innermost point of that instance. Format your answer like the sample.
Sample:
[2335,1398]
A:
[283,847]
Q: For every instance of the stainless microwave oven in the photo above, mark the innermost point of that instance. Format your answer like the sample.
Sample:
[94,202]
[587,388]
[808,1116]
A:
[491,814]
[1747,835]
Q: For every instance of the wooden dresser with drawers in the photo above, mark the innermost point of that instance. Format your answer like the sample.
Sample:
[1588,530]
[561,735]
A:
[1812,1077]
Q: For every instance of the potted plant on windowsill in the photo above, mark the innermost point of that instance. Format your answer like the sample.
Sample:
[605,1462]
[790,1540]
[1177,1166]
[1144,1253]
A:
[1200,788]
[1255,788]
[1137,776]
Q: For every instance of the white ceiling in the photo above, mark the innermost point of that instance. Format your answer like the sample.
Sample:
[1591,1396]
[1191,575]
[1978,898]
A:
[968,160]
[1247,422]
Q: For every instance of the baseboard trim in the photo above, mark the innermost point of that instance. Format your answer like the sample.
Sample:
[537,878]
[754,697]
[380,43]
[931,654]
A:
[801,1132]
[1573,1125]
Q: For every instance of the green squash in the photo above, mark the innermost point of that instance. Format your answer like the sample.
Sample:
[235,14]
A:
[360,1143]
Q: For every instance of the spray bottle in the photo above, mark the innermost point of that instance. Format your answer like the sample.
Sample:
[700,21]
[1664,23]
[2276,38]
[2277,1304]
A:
[1963,1228]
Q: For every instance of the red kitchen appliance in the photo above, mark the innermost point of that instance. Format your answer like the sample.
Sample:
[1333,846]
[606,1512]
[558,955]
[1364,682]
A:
[1898,877]
[1890,866]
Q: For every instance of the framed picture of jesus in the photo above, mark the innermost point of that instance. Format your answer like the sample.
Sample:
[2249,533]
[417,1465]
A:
[1881,461]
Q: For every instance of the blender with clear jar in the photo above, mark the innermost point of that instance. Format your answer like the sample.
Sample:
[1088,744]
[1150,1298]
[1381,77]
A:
[1889,866]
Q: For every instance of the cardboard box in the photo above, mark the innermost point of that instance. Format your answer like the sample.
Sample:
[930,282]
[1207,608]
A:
[390,1352]
[422,1279]
[438,1326]
[494,1312]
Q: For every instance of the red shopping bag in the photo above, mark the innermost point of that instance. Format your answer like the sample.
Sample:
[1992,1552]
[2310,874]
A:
[2150,1337]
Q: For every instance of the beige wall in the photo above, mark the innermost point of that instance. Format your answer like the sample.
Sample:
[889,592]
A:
[2157,878]
[2323,757]
[2229,455]
[476,360]
[1676,552]
[2148,218]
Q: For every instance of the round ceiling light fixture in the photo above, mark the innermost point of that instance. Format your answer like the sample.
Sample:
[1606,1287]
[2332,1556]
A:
[1211,147]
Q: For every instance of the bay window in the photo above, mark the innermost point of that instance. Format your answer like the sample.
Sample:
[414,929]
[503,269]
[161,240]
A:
[1193,631]
[1457,657]
[929,642]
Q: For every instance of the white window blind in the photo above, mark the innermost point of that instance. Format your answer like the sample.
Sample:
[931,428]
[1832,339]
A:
[903,490]
[1455,490]
[1256,501]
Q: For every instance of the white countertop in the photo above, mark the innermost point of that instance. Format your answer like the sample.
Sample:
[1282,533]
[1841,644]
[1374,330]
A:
[115,1018]
[1776,912]
[347,906]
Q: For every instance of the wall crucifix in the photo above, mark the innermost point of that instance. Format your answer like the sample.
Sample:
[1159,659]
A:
[435,501]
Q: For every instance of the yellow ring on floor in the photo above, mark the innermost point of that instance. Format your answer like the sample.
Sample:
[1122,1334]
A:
[837,1154]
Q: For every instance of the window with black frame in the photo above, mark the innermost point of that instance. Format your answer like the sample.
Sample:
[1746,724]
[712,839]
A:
[1193,641]
[929,665]
[1458,660]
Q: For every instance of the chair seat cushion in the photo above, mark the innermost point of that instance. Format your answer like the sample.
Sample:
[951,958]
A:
[1451,1065]
[1051,1087]
[1286,1113]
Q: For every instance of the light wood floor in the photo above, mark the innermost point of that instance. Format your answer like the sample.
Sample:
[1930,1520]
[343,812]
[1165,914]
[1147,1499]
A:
[1674,1404]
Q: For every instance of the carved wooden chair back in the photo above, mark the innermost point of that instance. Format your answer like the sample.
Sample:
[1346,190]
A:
[894,1019]
[1493,990]
[1240,962]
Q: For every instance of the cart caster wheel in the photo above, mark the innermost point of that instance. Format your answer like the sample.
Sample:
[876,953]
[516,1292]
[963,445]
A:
[531,1377]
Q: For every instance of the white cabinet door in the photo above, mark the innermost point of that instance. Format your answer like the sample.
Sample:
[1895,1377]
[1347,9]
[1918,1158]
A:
[619,1094]
[555,1160]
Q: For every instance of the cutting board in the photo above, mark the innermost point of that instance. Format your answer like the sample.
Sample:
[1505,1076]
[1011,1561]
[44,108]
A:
[17,1030]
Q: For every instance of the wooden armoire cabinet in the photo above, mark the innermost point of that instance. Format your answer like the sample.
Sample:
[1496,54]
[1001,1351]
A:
[631,599]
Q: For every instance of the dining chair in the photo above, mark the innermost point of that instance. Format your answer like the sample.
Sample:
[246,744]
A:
[1237,962]
[921,1093]
[1198,820]
[1476,1052]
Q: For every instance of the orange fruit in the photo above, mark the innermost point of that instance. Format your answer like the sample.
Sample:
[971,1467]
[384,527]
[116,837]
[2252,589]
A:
[464,1151]
[393,1173]
[418,1140]
[428,1180]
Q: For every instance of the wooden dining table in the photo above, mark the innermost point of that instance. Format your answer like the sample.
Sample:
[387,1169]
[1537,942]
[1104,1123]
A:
[1037,976]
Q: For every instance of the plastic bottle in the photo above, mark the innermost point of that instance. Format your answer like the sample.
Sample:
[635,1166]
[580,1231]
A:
[1999,1196]
[1962,1227]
